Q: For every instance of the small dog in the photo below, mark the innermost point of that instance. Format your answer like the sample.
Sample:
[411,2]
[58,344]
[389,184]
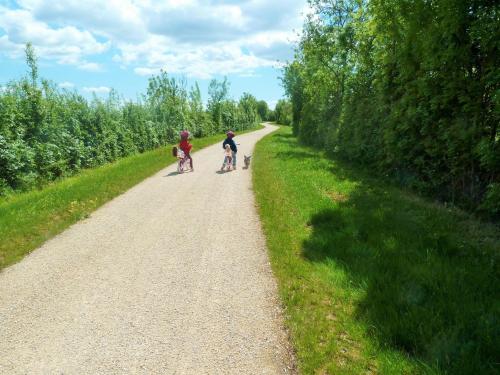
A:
[247,160]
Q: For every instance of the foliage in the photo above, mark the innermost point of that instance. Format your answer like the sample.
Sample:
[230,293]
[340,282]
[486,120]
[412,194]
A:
[283,112]
[248,110]
[47,133]
[410,89]
[271,116]
[263,110]
[375,280]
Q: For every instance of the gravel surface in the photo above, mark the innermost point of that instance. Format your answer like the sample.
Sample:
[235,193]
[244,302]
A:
[171,277]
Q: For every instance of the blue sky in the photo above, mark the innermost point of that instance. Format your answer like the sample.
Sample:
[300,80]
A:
[94,45]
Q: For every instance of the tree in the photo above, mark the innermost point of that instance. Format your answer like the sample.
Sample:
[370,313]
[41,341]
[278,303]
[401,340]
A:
[283,112]
[263,110]
[34,110]
[217,94]
[32,62]
[248,107]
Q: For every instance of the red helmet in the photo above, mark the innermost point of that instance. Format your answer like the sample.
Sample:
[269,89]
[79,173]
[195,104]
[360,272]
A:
[230,134]
[184,134]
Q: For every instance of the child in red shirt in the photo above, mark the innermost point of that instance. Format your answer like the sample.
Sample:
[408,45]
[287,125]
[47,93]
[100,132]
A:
[186,147]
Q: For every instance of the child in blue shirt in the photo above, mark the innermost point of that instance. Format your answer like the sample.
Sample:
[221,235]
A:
[230,141]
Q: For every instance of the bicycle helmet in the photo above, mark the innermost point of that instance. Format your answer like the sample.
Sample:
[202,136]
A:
[230,134]
[184,134]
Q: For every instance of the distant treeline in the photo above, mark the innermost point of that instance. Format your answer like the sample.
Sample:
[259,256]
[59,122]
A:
[410,89]
[47,133]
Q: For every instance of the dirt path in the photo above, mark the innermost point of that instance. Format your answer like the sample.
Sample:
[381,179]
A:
[171,277]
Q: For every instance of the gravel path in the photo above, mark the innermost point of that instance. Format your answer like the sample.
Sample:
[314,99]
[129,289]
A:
[171,277]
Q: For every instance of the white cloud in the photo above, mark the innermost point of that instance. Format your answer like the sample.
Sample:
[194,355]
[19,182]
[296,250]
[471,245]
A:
[66,45]
[90,66]
[97,90]
[147,71]
[199,38]
[114,19]
[196,22]
[249,75]
[66,85]
[273,45]
[202,62]
[11,49]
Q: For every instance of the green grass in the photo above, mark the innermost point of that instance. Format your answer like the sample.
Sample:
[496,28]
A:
[375,279]
[29,219]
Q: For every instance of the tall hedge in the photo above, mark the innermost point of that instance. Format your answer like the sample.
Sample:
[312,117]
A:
[409,88]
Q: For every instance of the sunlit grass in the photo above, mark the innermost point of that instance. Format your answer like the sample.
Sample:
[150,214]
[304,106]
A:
[29,219]
[375,279]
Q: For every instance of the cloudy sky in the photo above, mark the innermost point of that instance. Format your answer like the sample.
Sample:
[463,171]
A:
[93,45]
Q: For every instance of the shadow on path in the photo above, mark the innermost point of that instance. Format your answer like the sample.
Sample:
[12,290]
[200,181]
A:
[171,174]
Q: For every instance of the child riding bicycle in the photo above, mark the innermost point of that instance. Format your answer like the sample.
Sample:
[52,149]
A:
[183,153]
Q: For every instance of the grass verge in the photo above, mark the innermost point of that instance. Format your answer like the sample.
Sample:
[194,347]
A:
[375,279]
[29,219]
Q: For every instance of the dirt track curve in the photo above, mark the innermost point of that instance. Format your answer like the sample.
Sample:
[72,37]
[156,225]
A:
[171,277]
